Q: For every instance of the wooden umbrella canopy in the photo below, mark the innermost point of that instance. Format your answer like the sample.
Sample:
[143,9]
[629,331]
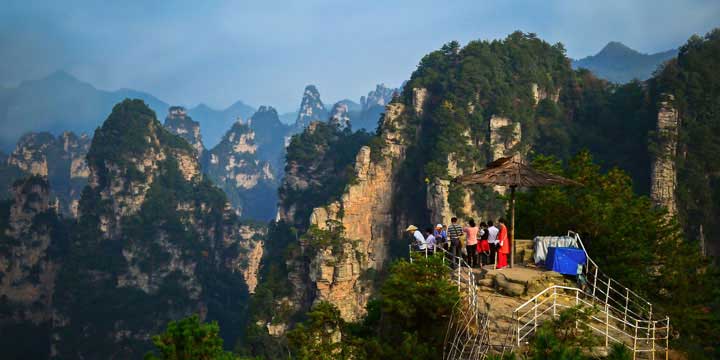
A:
[513,172]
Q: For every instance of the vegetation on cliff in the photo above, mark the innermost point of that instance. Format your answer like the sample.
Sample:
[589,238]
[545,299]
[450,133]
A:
[320,163]
[694,81]
[171,258]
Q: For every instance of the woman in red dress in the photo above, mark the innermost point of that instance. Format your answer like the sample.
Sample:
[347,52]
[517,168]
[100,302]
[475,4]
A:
[504,244]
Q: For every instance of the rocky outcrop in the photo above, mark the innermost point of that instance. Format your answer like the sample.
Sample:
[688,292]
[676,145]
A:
[170,243]
[181,124]
[540,94]
[419,99]
[61,159]
[234,165]
[311,108]
[27,273]
[366,212]
[340,116]
[381,96]
[664,172]
[505,136]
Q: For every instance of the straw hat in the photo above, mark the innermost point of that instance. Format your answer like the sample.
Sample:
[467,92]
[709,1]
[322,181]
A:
[411,228]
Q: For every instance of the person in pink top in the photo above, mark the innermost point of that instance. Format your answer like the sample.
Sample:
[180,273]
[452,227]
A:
[471,234]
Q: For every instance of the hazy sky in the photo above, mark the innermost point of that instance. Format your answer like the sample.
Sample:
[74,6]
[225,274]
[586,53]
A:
[265,52]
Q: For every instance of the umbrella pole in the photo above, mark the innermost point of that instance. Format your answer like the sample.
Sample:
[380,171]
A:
[512,226]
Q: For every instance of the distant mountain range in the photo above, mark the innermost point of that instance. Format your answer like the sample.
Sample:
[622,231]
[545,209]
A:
[61,102]
[620,64]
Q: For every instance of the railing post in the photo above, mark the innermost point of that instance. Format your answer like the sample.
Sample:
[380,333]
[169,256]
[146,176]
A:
[607,326]
[594,281]
[667,338]
[650,318]
[518,329]
[653,339]
[635,339]
[458,276]
[627,299]
[577,302]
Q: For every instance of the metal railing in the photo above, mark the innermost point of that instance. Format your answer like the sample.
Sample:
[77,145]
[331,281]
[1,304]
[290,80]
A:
[624,316]
[467,333]
[604,321]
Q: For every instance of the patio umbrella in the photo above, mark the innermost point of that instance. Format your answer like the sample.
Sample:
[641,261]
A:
[512,172]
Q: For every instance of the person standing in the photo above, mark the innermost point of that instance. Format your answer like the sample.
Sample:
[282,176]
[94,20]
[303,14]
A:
[471,233]
[454,233]
[504,244]
[483,247]
[493,241]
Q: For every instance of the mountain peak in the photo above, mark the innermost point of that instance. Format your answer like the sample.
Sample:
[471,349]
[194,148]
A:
[311,108]
[616,48]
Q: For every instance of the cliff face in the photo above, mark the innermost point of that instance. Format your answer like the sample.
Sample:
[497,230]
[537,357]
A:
[664,173]
[248,181]
[179,123]
[27,272]
[340,116]
[153,237]
[365,210]
[61,160]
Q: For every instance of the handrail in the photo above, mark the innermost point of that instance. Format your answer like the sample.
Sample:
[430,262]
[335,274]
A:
[632,334]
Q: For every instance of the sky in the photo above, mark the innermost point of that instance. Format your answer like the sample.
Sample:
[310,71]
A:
[265,52]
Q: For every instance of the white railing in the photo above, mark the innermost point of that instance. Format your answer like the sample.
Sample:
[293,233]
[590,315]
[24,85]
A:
[625,317]
[614,327]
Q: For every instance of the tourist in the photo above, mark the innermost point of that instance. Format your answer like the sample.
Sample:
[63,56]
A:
[493,241]
[471,233]
[454,232]
[417,236]
[430,241]
[504,245]
[483,247]
[440,236]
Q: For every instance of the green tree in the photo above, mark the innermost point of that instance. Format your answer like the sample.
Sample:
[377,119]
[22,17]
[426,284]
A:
[189,339]
[321,336]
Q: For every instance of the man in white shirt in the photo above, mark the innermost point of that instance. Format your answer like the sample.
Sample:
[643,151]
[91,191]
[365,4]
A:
[418,236]
[493,240]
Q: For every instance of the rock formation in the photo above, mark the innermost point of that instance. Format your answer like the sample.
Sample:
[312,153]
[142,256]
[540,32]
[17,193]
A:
[419,98]
[61,160]
[234,165]
[311,108]
[340,116]
[168,240]
[366,212]
[540,94]
[179,123]
[381,96]
[26,271]
[505,136]
[664,174]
